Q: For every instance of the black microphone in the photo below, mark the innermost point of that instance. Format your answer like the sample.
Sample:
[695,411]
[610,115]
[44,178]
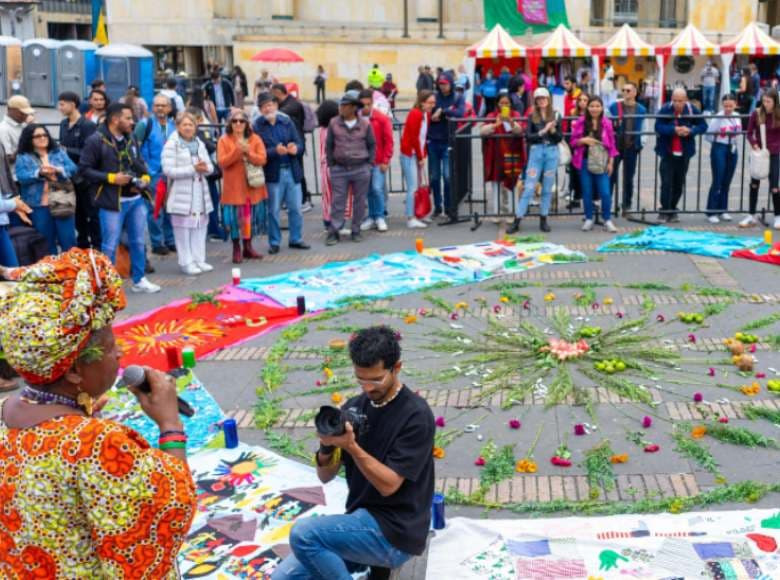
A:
[135,376]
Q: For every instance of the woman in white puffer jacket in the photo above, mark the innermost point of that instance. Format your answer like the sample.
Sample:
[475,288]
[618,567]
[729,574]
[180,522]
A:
[186,164]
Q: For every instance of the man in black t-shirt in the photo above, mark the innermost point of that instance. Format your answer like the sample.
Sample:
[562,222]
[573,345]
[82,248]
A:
[388,459]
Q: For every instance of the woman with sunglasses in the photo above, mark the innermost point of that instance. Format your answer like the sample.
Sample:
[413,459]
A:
[243,207]
[40,166]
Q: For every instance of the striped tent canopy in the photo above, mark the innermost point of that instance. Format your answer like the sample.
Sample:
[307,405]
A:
[497,44]
[690,41]
[562,42]
[752,40]
[625,42]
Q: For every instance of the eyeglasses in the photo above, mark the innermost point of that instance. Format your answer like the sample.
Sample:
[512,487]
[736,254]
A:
[40,135]
[373,383]
[627,90]
[238,122]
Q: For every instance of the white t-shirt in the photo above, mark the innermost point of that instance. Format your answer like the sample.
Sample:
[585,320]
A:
[423,132]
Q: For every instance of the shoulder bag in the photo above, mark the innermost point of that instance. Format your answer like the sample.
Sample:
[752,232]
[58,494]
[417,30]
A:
[564,152]
[759,159]
[255,176]
[598,159]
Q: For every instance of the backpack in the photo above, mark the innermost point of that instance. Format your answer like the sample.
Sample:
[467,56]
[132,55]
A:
[30,246]
[147,131]
[309,119]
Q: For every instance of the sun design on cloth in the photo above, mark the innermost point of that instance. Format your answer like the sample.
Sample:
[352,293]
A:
[244,469]
[144,339]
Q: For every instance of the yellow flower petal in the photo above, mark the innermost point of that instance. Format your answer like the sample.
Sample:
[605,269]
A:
[607,300]
[336,398]
[438,453]
[411,319]
[549,297]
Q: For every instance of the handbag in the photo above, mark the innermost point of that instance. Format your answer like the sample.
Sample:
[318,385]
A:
[564,153]
[759,159]
[422,198]
[62,199]
[255,176]
[598,158]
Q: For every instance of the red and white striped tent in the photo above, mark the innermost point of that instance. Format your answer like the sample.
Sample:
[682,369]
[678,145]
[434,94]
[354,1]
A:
[688,42]
[753,41]
[625,42]
[561,43]
[497,44]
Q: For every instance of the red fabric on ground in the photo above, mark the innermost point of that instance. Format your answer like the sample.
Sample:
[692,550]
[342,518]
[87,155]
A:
[761,254]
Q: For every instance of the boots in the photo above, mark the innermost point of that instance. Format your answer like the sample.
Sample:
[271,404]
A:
[236,252]
[543,224]
[515,227]
[249,252]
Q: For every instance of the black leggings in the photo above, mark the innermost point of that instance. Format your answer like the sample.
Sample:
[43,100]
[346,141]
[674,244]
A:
[774,177]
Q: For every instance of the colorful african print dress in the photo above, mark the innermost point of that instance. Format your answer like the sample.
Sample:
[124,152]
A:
[89,498]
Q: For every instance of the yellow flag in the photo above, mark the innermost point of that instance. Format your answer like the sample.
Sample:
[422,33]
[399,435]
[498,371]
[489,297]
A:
[101,34]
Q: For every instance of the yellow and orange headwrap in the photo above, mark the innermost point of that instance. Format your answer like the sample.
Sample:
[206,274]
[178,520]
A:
[53,308]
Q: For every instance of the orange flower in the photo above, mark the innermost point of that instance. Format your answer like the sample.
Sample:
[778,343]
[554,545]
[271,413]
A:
[438,453]
[619,458]
[698,432]
[607,301]
[504,299]
[525,466]
[336,398]
[750,390]
[411,319]
[461,306]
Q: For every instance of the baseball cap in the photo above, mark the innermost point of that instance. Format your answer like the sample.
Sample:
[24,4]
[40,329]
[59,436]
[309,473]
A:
[541,92]
[21,103]
[263,98]
[443,80]
[350,98]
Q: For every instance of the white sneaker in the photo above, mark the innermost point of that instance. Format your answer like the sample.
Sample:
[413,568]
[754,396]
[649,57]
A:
[368,224]
[609,226]
[190,270]
[713,219]
[204,267]
[415,223]
[306,207]
[748,222]
[145,286]
[725,217]
[427,220]
[381,224]
[345,231]
[776,225]
[587,226]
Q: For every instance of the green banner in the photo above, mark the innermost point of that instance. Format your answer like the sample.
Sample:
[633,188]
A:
[507,14]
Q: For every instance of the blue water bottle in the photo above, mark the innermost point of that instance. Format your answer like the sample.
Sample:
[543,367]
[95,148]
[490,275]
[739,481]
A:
[230,429]
[437,511]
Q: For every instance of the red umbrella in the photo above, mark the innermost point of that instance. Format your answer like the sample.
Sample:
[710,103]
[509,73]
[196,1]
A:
[277,55]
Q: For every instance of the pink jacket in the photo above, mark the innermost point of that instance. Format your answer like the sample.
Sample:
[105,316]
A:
[577,132]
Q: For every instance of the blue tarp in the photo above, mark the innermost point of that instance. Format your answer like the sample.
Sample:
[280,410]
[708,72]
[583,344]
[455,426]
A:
[675,240]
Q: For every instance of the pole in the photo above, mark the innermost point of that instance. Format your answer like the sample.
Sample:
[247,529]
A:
[406,20]
[441,18]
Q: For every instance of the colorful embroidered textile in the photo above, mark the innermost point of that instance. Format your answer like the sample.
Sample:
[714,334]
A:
[50,313]
[675,240]
[88,498]
[763,253]
[504,256]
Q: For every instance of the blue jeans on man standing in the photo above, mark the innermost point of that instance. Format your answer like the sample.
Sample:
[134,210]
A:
[708,98]
[160,229]
[542,161]
[132,218]
[723,160]
[288,192]
[438,168]
[60,231]
[332,546]
[7,251]
[376,194]
[595,182]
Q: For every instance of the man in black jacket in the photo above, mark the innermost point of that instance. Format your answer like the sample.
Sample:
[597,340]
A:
[221,93]
[74,132]
[293,108]
[118,180]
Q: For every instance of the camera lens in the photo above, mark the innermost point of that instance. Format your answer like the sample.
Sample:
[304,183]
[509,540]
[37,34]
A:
[329,421]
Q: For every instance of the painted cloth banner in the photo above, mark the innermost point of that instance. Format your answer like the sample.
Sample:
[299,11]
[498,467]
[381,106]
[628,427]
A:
[503,256]
[764,253]
[676,240]
[248,500]
[201,428]
[238,316]
[517,16]
[375,276]
[717,544]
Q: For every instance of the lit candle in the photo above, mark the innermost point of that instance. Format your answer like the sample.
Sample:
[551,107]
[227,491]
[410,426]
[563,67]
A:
[418,243]
[172,354]
[236,273]
[768,237]
[188,357]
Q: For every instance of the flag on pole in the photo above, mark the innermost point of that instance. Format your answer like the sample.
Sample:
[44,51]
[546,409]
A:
[99,30]
[517,16]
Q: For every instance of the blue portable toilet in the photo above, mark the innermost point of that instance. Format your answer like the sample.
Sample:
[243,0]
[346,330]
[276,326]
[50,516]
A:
[10,65]
[122,65]
[39,66]
[76,66]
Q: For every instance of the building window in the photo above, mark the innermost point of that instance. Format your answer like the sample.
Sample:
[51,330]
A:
[597,16]
[626,11]
[668,14]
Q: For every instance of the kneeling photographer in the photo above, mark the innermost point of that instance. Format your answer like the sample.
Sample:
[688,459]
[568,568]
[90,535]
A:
[384,439]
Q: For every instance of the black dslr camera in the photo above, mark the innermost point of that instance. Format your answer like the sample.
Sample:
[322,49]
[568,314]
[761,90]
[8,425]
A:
[331,421]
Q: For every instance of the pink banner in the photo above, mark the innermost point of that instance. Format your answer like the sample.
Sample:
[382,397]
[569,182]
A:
[533,11]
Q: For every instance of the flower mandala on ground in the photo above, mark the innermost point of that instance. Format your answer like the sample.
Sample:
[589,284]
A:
[438,453]
[564,350]
[698,431]
[562,456]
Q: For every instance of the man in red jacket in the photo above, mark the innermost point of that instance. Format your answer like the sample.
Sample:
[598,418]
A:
[383,135]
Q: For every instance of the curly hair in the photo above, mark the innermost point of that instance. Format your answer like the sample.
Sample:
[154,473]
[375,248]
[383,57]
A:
[26,139]
[374,344]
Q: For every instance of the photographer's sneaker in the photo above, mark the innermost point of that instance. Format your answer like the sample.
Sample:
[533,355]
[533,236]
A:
[368,224]
[381,224]
[145,286]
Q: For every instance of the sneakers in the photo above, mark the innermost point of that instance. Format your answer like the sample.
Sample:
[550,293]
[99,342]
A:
[204,267]
[748,221]
[161,250]
[587,226]
[145,286]
[306,207]
[332,239]
[725,217]
[713,219]
[190,270]
[776,224]
[345,231]
[674,219]
[610,226]
[381,225]
[368,224]
[414,223]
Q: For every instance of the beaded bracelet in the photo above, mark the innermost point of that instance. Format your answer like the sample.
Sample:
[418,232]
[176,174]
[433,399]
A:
[166,438]
[173,445]
[165,433]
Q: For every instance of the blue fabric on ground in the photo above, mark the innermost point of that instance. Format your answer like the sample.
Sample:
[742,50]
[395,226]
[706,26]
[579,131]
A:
[676,240]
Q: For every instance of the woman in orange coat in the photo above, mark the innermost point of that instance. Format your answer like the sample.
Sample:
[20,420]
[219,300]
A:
[243,207]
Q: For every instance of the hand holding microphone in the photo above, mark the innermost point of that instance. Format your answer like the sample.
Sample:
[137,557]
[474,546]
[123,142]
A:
[157,395]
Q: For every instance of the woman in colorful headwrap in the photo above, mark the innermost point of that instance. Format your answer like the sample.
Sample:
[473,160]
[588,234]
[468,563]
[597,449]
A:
[82,497]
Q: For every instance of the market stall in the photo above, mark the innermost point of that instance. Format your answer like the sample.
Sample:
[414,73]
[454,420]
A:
[680,62]
[497,50]
[751,42]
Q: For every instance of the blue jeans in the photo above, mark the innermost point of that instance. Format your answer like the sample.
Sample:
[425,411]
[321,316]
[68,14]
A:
[592,182]
[708,99]
[438,168]
[723,162]
[542,159]
[215,229]
[132,218]
[287,191]
[60,231]
[376,194]
[7,251]
[328,547]
[409,169]
[160,229]
[628,158]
